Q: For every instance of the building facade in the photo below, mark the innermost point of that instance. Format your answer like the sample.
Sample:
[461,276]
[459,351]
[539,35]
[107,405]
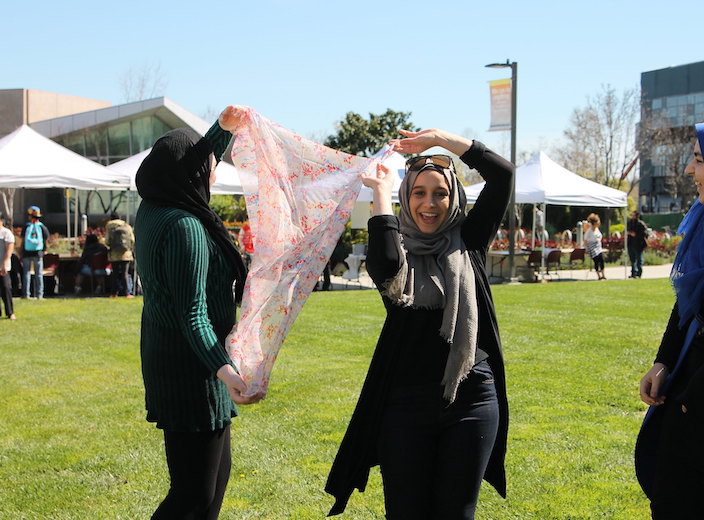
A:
[94,129]
[672,101]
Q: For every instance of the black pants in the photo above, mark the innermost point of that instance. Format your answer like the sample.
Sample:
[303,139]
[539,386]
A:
[119,277]
[199,467]
[6,294]
[599,262]
[433,456]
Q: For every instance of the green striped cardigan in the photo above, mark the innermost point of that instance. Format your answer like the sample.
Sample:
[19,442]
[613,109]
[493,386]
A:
[188,311]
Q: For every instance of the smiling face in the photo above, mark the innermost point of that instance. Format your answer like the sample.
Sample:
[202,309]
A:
[695,169]
[429,202]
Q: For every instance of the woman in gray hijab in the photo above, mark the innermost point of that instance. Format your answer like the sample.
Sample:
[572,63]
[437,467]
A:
[433,411]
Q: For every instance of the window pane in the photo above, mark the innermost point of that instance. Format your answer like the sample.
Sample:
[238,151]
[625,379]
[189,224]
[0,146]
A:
[119,140]
[145,131]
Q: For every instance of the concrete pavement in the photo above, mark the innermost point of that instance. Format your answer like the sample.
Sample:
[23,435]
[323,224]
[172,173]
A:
[339,283]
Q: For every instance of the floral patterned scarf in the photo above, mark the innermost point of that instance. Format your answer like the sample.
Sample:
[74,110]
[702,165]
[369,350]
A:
[299,196]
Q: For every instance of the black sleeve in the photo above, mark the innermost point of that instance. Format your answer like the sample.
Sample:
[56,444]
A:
[672,341]
[384,254]
[483,220]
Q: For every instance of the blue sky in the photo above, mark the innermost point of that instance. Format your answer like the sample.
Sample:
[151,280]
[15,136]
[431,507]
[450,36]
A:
[306,64]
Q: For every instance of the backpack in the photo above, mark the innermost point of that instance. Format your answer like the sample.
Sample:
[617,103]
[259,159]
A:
[33,237]
[120,238]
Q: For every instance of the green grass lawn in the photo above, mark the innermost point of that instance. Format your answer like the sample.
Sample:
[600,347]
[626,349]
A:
[74,443]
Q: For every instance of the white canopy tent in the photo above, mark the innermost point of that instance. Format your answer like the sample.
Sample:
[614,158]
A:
[227,179]
[542,181]
[30,160]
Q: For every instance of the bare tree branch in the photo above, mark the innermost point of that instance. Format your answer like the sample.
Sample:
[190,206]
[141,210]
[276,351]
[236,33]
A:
[144,82]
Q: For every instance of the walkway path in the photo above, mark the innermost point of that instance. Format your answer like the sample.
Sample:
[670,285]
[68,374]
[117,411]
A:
[612,273]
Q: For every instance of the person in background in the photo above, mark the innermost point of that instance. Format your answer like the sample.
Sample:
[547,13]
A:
[34,242]
[92,246]
[245,238]
[670,453]
[16,275]
[637,242]
[7,245]
[592,243]
[119,238]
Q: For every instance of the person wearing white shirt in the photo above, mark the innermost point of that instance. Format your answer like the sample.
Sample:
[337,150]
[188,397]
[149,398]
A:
[7,246]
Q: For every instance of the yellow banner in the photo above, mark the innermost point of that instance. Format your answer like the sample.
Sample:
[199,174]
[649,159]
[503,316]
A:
[500,94]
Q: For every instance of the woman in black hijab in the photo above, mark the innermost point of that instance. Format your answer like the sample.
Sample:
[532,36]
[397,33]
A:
[188,265]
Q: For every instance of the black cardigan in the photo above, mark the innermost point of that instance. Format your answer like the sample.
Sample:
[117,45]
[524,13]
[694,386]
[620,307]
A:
[357,452]
[690,384]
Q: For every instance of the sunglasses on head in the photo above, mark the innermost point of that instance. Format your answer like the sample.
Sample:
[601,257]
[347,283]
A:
[420,161]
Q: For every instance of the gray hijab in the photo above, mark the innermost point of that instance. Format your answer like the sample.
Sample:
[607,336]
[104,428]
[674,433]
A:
[437,274]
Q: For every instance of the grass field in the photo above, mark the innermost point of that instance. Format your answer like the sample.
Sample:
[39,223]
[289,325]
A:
[74,443]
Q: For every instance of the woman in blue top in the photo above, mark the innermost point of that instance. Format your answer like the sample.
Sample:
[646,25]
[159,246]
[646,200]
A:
[670,448]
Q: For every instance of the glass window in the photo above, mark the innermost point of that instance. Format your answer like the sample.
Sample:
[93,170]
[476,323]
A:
[119,140]
[145,131]
[73,142]
[657,104]
[97,144]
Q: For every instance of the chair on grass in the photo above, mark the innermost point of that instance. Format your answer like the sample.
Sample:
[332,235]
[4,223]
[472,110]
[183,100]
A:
[553,260]
[576,259]
[50,273]
[98,269]
[535,261]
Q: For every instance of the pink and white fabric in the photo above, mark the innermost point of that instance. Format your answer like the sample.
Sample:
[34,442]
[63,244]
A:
[299,196]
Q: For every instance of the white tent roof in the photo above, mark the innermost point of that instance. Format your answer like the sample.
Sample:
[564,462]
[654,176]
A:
[227,179]
[542,180]
[30,160]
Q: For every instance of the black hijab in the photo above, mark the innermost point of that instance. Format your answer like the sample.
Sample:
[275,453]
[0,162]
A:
[176,173]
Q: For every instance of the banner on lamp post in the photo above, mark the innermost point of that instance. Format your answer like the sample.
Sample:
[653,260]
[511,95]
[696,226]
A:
[500,94]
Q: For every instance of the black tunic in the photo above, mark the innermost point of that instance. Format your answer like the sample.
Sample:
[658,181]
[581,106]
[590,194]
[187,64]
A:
[407,330]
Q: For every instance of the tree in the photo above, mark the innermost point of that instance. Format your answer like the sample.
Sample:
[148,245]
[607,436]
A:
[230,208]
[666,151]
[360,136]
[145,82]
[601,140]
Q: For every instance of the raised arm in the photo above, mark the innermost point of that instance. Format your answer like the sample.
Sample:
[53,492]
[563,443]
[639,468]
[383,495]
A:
[418,142]
[220,133]
[384,257]
[483,220]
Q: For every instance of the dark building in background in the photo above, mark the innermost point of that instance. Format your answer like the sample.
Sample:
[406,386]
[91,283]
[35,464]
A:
[672,101]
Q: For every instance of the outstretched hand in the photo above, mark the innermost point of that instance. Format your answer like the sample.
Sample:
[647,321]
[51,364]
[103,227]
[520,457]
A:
[383,180]
[381,183]
[417,142]
[231,117]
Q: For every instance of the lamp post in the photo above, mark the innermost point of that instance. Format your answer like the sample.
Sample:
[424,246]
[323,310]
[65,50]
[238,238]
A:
[512,201]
